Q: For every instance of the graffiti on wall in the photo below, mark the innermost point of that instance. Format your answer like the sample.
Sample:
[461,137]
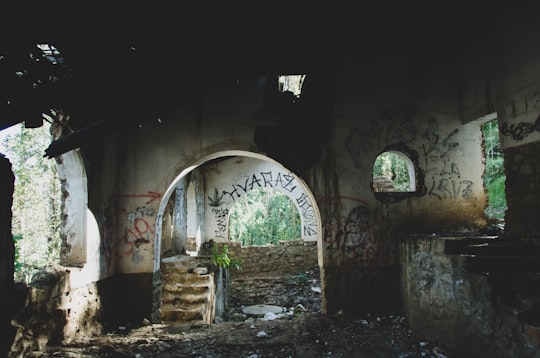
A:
[449,184]
[220,214]
[139,230]
[308,214]
[446,180]
[284,182]
[523,104]
[400,127]
[355,235]
[520,131]
[217,199]
[221,220]
[396,126]
[151,195]
[436,149]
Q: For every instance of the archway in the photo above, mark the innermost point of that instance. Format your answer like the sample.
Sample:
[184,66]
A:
[204,193]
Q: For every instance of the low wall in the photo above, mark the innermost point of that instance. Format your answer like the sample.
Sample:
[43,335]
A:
[57,308]
[288,257]
[445,303]
[55,311]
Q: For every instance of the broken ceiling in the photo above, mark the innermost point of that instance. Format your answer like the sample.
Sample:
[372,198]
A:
[111,62]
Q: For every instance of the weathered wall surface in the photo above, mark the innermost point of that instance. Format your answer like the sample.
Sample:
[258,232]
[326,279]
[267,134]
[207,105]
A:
[373,112]
[365,122]
[334,158]
[445,303]
[518,109]
[55,310]
[403,97]
[288,257]
[329,138]
[228,180]
[221,121]
[522,167]
[72,175]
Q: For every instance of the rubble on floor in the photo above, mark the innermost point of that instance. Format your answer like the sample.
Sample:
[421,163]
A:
[301,332]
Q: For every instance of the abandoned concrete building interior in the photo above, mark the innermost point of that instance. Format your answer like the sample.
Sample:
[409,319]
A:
[165,116]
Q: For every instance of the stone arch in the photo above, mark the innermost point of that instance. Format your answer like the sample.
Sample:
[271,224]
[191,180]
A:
[81,235]
[72,175]
[287,182]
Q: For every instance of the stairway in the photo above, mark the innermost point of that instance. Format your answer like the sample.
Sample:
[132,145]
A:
[187,290]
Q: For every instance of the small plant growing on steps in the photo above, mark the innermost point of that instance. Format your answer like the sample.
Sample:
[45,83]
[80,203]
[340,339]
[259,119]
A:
[222,258]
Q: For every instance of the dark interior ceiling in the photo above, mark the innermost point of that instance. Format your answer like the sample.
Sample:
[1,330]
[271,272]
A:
[122,61]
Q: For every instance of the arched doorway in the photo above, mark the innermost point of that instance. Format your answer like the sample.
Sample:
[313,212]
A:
[195,208]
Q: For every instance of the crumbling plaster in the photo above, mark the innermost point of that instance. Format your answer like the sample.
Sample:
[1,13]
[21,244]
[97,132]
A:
[427,100]
[367,114]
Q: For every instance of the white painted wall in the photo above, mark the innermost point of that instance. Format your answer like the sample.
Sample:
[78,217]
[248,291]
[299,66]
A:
[367,118]
[72,174]
[229,180]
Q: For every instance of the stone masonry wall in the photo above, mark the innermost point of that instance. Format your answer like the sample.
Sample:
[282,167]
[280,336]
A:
[56,312]
[288,257]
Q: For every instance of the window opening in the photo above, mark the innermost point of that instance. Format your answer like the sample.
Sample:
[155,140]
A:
[264,217]
[494,175]
[291,83]
[393,171]
[36,199]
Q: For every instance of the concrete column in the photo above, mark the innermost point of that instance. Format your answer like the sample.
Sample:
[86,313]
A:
[179,219]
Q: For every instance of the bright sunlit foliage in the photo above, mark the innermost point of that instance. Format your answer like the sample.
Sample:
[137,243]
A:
[264,216]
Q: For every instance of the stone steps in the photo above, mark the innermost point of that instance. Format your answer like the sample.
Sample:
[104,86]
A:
[187,292]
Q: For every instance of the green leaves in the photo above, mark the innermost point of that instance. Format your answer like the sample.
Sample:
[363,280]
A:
[18,263]
[389,164]
[36,200]
[222,259]
[263,217]
[494,175]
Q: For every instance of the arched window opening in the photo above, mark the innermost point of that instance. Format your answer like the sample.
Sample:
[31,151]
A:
[393,171]
[264,217]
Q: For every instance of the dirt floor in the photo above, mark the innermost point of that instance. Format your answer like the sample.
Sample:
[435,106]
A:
[300,330]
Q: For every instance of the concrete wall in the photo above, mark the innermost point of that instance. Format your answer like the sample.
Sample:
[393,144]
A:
[488,314]
[228,180]
[445,303]
[518,109]
[423,102]
[288,257]
[400,97]
[361,115]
